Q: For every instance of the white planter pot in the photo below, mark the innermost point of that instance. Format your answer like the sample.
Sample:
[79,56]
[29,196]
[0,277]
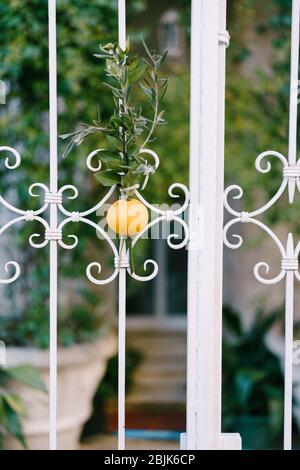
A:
[80,369]
[275,343]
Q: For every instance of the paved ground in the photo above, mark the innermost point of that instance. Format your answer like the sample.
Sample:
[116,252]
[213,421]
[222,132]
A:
[109,442]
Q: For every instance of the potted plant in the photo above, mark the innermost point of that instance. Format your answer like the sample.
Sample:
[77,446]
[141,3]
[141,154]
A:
[252,382]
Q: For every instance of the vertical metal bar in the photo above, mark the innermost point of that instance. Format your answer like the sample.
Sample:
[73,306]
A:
[122,350]
[288,373]
[289,287]
[288,369]
[122,283]
[122,24]
[53,220]
[294,82]
[160,282]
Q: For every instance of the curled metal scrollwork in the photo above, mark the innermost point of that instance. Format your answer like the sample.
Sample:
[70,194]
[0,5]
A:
[163,215]
[289,254]
[15,153]
[22,215]
[94,269]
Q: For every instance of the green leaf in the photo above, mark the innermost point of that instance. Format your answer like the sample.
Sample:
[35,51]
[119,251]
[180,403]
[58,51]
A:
[117,93]
[137,73]
[28,375]
[108,177]
[114,143]
[134,62]
[131,178]
[133,150]
[117,122]
[232,322]
[147,49]
[68,149]
[162,58]
[244,382]
[109,156]
[276,413]
[15,402]
[102,56]
[67,136]
[163,89]
[146,90]
[107,48]
[12,423]
[117,166]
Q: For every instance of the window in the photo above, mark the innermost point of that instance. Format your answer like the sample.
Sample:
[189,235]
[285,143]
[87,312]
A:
[170,33]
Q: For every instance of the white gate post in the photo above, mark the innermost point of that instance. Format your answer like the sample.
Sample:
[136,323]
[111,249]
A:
[209,38]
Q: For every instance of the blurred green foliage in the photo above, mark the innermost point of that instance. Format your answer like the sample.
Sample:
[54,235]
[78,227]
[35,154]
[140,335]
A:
[81,26]
[252,379]
[77,323]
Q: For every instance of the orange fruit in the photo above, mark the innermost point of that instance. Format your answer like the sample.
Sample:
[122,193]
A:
[127,218]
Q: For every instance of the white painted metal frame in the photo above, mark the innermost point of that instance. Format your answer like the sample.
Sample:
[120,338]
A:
[53,199]
[289,252]
[208,44]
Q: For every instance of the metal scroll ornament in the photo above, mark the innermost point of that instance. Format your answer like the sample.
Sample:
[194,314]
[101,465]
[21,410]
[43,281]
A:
[289,253]
[93,270]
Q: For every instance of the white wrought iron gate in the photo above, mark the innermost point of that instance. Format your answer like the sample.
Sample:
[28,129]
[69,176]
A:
[289,250]
[205,232]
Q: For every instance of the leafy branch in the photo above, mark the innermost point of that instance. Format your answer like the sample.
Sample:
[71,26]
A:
[155,89]
[128,131]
